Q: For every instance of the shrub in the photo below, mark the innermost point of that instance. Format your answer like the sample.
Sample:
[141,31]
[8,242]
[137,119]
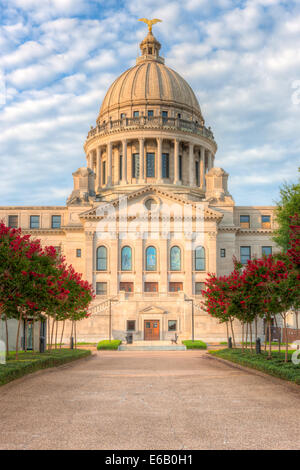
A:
[194,344]
[110,345]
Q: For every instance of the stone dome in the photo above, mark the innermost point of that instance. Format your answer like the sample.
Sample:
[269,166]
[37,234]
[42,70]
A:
[150,82]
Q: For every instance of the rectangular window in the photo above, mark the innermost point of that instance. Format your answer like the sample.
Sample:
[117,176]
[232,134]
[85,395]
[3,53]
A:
[266,250]
[78,253]
[175,286]
[126,286]
[245,254]
[13,221]
[179,116]
[136,114]
[120,167]
[165,165]
[245,221]
[101,288]
[103,172]
[56,221]
[197,173]
[130,325]
[151,286]
[223,253]
[164,114]
[266,221]
[135,168]
[150,113]
[34,221]
[180,167]
[172,325]
[199,287]
[150,165]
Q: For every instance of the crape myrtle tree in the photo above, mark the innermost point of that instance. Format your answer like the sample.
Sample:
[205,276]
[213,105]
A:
[35,281]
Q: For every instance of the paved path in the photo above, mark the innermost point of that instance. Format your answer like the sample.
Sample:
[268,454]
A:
[149,400]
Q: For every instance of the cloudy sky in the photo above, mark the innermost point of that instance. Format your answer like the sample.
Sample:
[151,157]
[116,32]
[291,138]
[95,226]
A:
[58,57]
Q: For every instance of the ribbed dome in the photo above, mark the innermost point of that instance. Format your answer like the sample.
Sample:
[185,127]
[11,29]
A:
[150,82]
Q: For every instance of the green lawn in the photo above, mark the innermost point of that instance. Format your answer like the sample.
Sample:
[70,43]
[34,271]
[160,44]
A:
[274,366]
[106,344]
[194,344]
[31,362]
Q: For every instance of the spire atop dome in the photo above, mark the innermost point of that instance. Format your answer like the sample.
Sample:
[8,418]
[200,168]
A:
[150,46]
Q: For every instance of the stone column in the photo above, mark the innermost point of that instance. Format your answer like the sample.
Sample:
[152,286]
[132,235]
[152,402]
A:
[142,159]
[124,161]
[202,168]
[109,164]
[98,169]
[210,161]
[159,159]
[191,165]
[176,161]
[89,160]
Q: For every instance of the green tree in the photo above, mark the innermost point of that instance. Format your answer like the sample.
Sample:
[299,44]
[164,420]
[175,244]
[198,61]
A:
[287,207]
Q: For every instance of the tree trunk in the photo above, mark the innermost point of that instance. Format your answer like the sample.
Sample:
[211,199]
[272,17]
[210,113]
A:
[48,332]
[270,342]
[250,325]
[52,331]
[243,328]
[255,329]
[227,332]
[18,335]
[56,334]
[6,335]
[75,331]
[286,341]
[62,333]
[232,332]
[246,335]
[25,334]
[33,324]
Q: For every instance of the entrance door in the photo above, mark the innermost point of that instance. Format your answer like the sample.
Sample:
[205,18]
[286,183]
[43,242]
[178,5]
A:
[151,329]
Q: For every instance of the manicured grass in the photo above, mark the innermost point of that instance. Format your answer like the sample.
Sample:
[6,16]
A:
[194,344]
[274,366]
[106,344]
[31,362]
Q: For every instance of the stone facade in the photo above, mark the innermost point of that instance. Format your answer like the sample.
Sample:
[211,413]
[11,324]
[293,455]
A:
[151,145]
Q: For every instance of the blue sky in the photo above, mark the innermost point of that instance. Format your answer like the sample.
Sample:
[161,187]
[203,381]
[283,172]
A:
[242,58]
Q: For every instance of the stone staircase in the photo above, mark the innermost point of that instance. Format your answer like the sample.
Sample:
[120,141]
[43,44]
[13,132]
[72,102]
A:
[152,346]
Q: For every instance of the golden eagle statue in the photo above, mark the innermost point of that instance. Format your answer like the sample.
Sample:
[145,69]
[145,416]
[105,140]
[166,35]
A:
[150,23]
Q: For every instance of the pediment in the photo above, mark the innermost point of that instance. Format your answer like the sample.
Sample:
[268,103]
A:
[165,196]
[153,310]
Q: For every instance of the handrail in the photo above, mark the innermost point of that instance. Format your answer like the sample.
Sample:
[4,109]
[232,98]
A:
[152,122]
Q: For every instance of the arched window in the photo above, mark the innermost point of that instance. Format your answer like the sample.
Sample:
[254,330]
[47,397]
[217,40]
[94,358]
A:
[175,258]
[151,263]
[101,258]
[126,258]
[200,259]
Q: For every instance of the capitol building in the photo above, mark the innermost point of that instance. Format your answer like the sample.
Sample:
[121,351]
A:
[150,214]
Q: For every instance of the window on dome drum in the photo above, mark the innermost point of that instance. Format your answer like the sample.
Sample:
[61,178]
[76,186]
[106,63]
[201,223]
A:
[266,250]
[199,287]
[126,258]
[120,167]
[175,258]
[150,204]
[150,165]
[245,221]
[56,221]
[266,221]
[200,259]
[172,325]
[123,115]
[78,253]
[34,221]
[150,113]
[197,173]
[151,287]
[101,258]
[103,172]
[175,286]
[245,254]
[13,221]
[101,288]
[180,167]
[135,168]
[151,262]
[130,325]
[165,165]
[222,252]
[136,114]
[126,286]
[179,116]
[164,114]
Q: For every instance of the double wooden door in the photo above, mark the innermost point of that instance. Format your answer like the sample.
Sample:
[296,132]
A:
[151,330]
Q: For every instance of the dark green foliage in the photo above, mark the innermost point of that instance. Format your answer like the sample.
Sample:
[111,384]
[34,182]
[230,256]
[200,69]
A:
[106,344]
[194,344]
